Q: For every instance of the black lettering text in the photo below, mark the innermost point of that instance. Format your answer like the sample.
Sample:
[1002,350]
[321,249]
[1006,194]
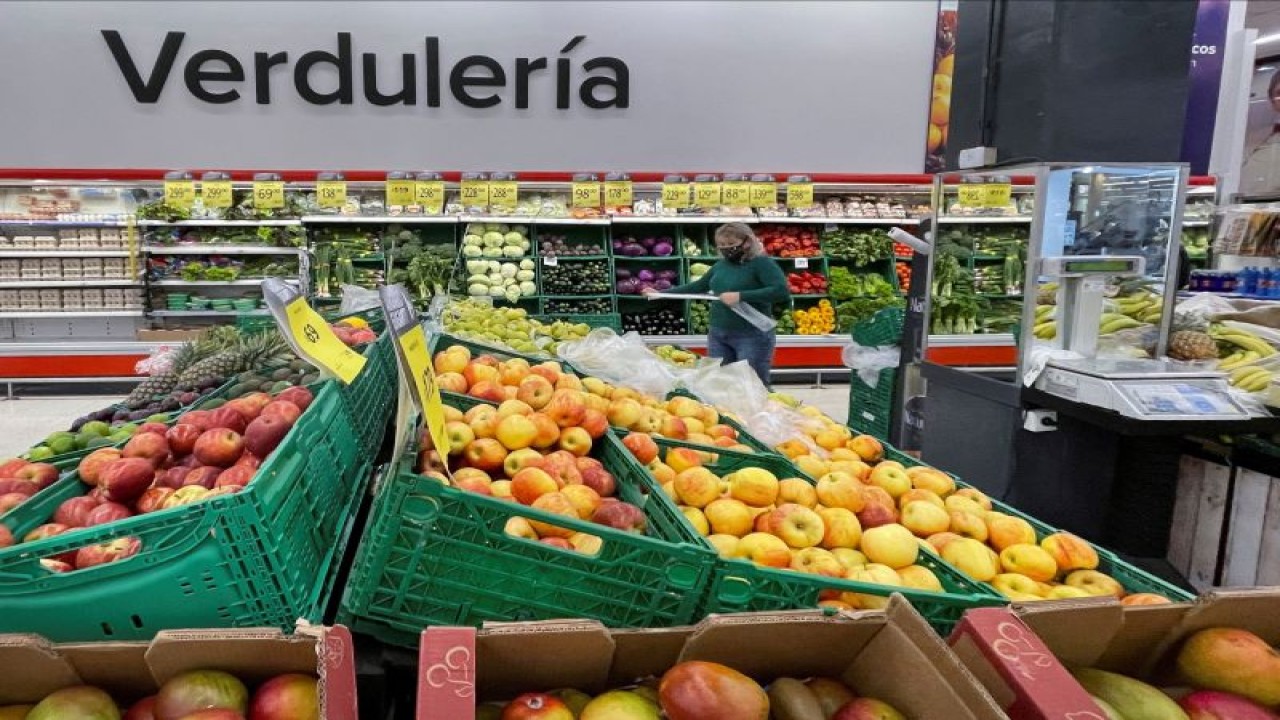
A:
[148,91]
[620,83]
[459,80]
[196,75]
[341,61]
[524,68]
[262,64]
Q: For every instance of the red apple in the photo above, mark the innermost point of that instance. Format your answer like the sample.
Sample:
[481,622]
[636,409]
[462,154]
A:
[107,512]
[151,427]
[199,418]
[600,480]
[153,499]
[286,697]
[225,417]
[174,476]
[74,511]
[200,690]
[127,478]
[43,474]
[56,566]
[537,706]
[9,501]
[19,485]
[265,434]
[107,552]
[219,446]
[297,395]
[249,460]
[182,439]
[283,409]
[144,709]
[47,530]
[204,476]
[247,407]
[90,468]
[152,447]
[213,715]
[238,475]
[10,466]
[6,536]
[620,515]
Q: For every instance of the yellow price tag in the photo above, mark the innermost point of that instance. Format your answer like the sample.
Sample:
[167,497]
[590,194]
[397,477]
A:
[413,346]
[799,195]
[331,193]
[475,193]
[675,195]
[736,194]
[764,194]
[430,195]
[179,193]
[400,192]
[997,195]
[503,193]
[268,194]
[316,340]
[585,194]
[216,193]
[617,193]
[972,195]
[706,194]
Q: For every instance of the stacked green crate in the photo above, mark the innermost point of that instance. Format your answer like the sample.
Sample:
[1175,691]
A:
[422,257]
[650,254]
[990,254]
[575,274]
[860,271]
[510,257]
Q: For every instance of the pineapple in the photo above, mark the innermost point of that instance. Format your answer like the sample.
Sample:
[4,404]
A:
[1189,339]
[163,382]
[257,350]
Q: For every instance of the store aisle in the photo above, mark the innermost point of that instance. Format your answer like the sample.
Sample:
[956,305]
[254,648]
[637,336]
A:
[25,422]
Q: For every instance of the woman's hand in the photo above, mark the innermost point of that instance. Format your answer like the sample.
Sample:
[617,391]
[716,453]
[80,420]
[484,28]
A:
[730,298]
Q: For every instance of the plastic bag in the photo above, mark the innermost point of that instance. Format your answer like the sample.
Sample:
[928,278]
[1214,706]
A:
[734,387]
[356,299]
[159,361]
[869,361]
[762,322]
[622,360]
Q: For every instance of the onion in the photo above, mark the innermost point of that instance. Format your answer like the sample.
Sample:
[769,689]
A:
[648,242]
[667,275]
[646,275]
[627,287]
[634,250]
[662,284]
[662,249]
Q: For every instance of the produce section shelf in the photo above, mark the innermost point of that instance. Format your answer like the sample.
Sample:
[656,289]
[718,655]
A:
[838,221]
[211,313]
[985,220]
[67,223]
[220,223]
[572,221]
[101,282]
[379,219]
[25,314]
[33,252]
[214,283]
[682,219]
[221,250]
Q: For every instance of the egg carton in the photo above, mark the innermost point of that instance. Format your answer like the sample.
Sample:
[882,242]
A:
[46,242]
[73,298]
[68,233]
[24,241]
[6,241]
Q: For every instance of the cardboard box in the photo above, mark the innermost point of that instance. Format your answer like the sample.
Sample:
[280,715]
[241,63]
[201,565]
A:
[34,667]
[891,655]
[1138,641]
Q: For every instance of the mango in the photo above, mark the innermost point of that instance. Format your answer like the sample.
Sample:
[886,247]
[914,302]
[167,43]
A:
[620,705]
[789,699]
[1214,705]
[1232,660]
[1131,699]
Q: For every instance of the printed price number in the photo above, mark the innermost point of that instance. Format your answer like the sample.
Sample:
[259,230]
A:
[475,193]
[400,192]
[706,194]
[586,194]
[331,193]
[268,194]
[413,348]
[503,193]
[799,195]
[736,194]
[316,340]
[675,195]
[430,195]
[179,193]
[764,194]
[216,193]
[972,195]
[618,193]
[997,195]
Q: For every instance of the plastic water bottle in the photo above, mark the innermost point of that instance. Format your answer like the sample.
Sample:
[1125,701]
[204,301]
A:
[1247,280]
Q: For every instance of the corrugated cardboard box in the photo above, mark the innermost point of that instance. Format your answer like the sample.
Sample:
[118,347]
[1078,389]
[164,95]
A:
[891,655]
[34,667]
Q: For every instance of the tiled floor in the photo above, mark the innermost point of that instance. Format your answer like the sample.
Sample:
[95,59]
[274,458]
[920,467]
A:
[25,421]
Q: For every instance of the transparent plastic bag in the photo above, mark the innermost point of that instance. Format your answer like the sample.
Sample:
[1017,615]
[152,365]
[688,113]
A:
[622,360]
[761,321]
[734,387]
[356,299]
[869,361]
[159,361]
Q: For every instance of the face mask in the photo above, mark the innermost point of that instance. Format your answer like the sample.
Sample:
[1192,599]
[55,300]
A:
[734,254]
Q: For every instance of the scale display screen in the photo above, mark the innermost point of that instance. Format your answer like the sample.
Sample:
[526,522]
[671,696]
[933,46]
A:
[1097,266]
[1178,399]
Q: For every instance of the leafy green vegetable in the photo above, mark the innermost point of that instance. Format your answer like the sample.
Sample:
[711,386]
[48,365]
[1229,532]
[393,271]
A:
[861,247]
[845,285]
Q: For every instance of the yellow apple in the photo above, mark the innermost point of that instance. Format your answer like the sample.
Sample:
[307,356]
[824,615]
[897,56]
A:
[960,503]
[816,561]
[1013,585]
[892,545]
[728,516]
[840,490]
[917,495]
[920,578]
[754,486]
[763,549]
[924,518]
[977,496]
[797,525]
[1029,560]
[872,574]
[935,481]
[724,544]
[1070,552]
[968,525]
[1066,592]
[972,558]
[1095,583]
[697,486]
[891,478]
[849,558]
[1005,530]
[795,490]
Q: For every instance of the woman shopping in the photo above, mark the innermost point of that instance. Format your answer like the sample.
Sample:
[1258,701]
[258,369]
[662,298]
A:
[743,275]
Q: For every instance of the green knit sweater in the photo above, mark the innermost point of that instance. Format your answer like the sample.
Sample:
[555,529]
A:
[760,282]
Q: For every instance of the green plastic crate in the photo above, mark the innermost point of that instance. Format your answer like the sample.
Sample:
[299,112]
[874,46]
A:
[871,409]
[260,557]
[1134,579]
[883,329]
[436,555]
[613,321]
[371,397]
[742,586]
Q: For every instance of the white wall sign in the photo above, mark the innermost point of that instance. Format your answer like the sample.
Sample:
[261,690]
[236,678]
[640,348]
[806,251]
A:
[781,86]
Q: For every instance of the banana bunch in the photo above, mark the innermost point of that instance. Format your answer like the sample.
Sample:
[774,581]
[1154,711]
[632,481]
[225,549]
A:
[1143,307]
[1115,322]
[1046,327]
[1242,339]
[1250,378]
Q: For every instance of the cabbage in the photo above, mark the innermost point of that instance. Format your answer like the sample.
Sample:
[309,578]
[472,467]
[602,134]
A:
[699,269]
[627,287]
[662,285]
[513,294]
[500,227]
[492,239]
[492,252]
[477,266]
[524,275]
[509,270]
[513,238]
[478,280]
[513,252]
[527,264]
[622,273]
[528,288]
[646,275]
[473,240]
[471,251]
[477,290]
[520,229]
[496,291]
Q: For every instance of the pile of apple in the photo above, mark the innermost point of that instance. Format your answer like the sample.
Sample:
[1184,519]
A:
[19,480]
[840,527]
[535,456]
[207,453]
[957,524]
[353,331]
[699,690]
[194,695]
[487,378]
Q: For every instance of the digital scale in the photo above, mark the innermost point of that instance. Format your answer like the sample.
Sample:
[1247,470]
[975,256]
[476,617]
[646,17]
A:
[1137,388]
